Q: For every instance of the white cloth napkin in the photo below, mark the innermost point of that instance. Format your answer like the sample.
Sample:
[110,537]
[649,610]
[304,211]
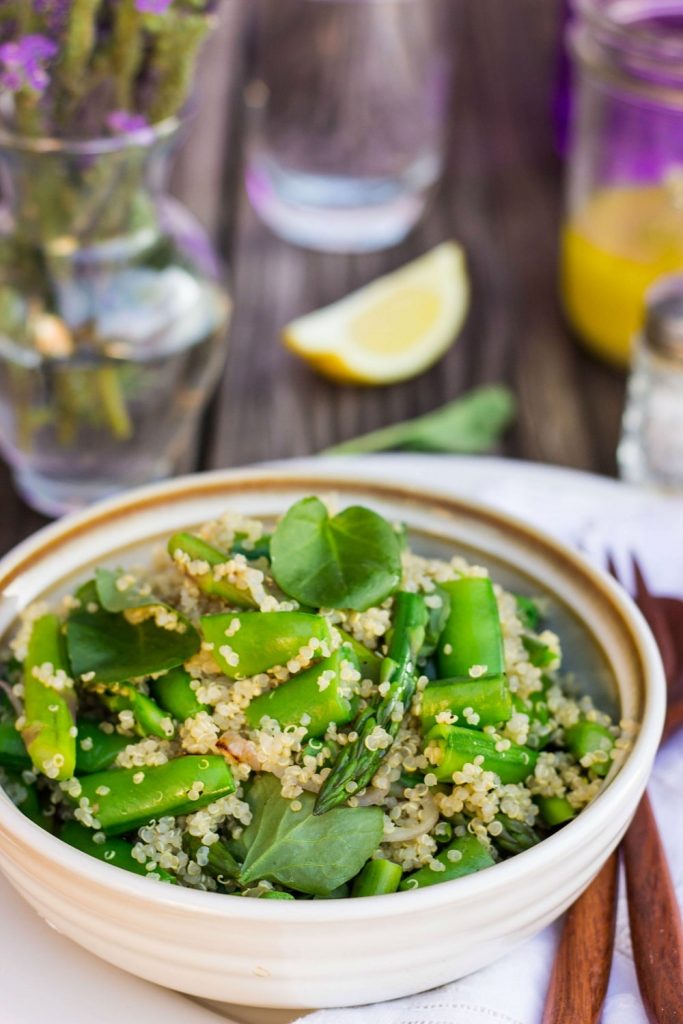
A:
[42,972]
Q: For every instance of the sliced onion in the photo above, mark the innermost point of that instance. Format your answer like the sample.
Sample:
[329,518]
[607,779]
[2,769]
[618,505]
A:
[430,816]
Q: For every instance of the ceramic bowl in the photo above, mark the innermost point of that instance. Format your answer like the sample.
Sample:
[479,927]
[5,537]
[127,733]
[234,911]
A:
[330,953]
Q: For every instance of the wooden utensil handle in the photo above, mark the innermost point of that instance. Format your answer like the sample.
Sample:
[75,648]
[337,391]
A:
[578,983]
[655,919]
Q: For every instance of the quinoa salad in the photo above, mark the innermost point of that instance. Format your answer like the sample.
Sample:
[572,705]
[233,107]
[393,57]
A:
[305,711]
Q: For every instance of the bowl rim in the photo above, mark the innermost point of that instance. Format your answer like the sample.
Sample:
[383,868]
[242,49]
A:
[506,873]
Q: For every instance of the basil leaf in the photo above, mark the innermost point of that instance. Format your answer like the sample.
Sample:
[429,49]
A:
[352,560]
[114,600]
[305,852]
[117,650]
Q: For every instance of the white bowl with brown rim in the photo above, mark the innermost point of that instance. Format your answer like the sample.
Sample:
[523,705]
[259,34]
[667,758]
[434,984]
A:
[310,954]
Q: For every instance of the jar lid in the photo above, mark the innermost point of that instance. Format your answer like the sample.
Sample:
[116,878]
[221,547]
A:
[664,317]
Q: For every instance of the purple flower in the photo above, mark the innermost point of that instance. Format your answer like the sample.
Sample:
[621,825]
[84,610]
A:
[21,62]
[152,6]
[122,122]
[54,12]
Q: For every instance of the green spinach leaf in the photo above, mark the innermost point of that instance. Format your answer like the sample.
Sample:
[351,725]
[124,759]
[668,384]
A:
[114,600]
[472,423]
[115,649]
[352,560]
[296,849]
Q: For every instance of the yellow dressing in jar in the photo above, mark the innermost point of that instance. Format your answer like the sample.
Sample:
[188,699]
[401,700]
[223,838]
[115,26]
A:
[623,239]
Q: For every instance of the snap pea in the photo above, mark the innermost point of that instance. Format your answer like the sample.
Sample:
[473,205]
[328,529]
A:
[438,617]
[472,634]
[377,878]
[101,748]
[259,549]
[174,693]
[555,810]
[540,654]
[528,611]
[134,796]
[112,851]
[302,695]
[150,719]
[257,641]
[587,737]
[275,894]
[463,856]
[450,748]
[221,863]
[199,551]
[370,664]
[13,752]
[488,697]
[536,708]
[49,732]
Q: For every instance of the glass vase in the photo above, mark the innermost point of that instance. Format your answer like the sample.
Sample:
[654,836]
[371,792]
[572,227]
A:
[113,316]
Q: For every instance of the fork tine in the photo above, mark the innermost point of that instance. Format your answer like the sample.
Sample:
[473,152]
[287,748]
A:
[657,620]
[612,567]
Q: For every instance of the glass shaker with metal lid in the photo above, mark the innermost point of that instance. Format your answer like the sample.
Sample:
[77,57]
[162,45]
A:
[651,446]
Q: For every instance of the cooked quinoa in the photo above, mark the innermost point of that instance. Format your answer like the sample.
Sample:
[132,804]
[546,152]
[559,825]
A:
[212,610]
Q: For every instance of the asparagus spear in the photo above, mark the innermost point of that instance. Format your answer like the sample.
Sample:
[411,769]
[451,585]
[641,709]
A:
[356,762]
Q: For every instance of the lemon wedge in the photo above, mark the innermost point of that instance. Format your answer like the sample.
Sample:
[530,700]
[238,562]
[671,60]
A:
[393,328]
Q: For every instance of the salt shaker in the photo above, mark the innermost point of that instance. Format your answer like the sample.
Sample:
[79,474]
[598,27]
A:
[651,446]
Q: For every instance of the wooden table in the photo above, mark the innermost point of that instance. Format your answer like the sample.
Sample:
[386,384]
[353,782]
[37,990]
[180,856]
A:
[500,196]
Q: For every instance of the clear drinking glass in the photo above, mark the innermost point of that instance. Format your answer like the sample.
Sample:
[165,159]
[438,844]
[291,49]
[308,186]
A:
[348,112]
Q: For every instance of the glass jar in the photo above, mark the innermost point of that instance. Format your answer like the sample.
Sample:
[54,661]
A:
[113,316]
[651,446]
[624,210]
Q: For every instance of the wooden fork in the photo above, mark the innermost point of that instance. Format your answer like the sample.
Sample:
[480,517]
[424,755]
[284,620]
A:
[582,963]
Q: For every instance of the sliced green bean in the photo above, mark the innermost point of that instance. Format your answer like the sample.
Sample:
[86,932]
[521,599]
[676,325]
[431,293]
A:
[175,694]
[463,856]
[472,634]
[377,878]
[489,699]
[555,810]
[248,643]
[587,738]
[125,799]
[97,750]
[304,700]
[49,732]
[199,551]
[113,851]
[370,664]
[150,719]
[450,748]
